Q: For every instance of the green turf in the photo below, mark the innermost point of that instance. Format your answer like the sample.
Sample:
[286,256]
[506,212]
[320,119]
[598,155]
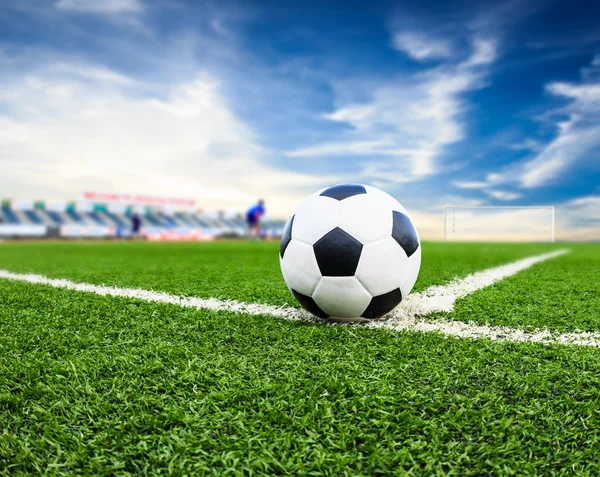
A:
[107,386]
[560,294]
[110,386]
[226,270]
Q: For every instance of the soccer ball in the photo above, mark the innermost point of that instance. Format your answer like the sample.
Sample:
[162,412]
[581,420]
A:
[350,253]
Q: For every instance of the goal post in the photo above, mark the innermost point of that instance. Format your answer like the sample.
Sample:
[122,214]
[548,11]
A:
[499,223]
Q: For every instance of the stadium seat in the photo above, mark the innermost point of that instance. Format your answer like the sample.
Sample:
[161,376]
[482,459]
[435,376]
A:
[75,216]
[55,217]
[184,219]
[152,220]
[196,220]
[96,218]
[9,216]
[33,217]
[166,219]
[119,219]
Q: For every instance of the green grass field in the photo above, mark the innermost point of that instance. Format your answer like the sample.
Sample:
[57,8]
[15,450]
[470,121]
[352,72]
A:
[99,385]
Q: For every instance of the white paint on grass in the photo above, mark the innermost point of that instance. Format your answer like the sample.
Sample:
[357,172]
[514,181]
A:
[500,333]
[437,298]
[441,298]
[212,304]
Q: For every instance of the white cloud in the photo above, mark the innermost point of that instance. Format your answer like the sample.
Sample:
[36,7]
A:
[335,149]
[596,61]
[421,47]
[405,125]
[65,128]
[526,144]
[503,194]
[577,139]
[577,136]
[590,203]
[108,7]
[582,92]
[485,186]
[484,52]
[566,149]
[93,73]
[470,184]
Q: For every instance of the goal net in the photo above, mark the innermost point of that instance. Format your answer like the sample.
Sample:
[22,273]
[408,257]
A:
[499,224]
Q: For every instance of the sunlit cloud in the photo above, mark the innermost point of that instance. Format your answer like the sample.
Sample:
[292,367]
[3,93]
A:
[100,6]
[477,185]
[503,194]
[406,124]
[421,47]
[576,139]
[576,136]
[83,127]
[486,187]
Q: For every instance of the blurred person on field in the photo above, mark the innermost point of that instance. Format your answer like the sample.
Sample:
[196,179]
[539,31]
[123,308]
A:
[136,224]
[254,217]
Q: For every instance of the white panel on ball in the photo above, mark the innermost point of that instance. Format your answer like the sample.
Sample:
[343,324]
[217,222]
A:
[341,297]
[300,269]
[314,218]
[410,274]
[366,217]
[385,198]
[381,265]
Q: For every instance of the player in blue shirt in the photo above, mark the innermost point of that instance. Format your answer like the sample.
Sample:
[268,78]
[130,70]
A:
[254,218]
[136,224]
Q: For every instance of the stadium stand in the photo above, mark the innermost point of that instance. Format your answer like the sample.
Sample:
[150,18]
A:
[75,217]
[152,220]
[9,216]
[22,217]
[185,220]
[202,222]
[165,219]
[120,221]
[55,217]
[30,221]
[96,218]
[33,218]
[67,219]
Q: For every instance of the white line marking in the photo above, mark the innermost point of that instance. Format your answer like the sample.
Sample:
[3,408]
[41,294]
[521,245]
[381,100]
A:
[499,333]
[434,299]
[161,297]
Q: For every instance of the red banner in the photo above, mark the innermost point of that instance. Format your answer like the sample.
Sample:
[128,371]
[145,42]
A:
[131,199]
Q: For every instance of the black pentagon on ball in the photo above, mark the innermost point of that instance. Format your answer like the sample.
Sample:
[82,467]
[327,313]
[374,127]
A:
[286,236]
[337,254]
[343,191]
[309,304]
[382,304]
[403,232]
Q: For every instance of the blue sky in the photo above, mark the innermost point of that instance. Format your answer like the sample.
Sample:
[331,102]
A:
[438,103]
